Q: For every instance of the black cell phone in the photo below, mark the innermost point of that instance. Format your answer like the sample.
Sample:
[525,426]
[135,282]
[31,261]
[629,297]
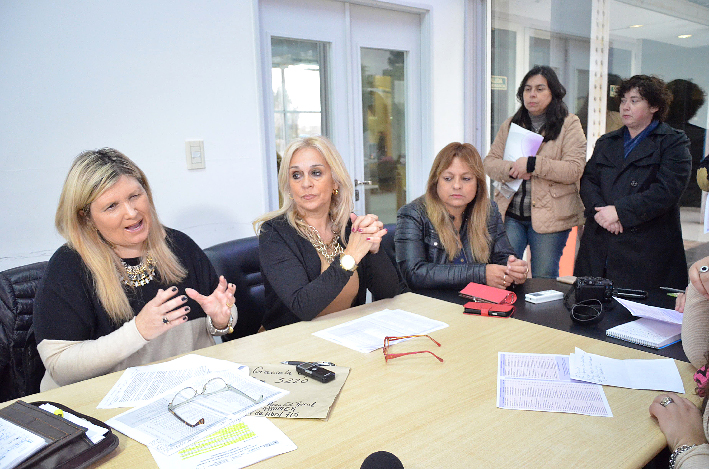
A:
[316,372]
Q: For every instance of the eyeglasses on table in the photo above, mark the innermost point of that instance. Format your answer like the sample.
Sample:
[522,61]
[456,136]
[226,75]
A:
[211,387]
[389,340]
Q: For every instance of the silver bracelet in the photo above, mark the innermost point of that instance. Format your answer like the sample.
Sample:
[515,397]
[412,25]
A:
[677,452]
[227,330]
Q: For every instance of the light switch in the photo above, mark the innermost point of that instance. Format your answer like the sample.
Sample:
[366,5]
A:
[194,150]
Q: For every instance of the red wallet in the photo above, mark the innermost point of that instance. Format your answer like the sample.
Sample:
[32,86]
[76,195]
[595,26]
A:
[489,309]
[483,293]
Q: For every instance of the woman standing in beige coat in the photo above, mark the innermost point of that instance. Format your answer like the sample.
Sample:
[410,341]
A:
[547,204]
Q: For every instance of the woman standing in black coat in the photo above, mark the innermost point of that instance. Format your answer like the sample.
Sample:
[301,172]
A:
[631,189]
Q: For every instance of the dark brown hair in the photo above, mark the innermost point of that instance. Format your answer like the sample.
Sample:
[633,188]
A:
[653,90]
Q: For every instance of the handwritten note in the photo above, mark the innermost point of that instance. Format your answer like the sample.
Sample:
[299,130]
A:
[308,398]
[658,374]
[17,444]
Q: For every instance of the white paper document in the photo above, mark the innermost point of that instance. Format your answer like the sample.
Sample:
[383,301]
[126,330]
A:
[659,375]
[140,384]
[367,333]
[17,444]
[154,425]
[240,444]
[652,312]
[527,381]
[520,142]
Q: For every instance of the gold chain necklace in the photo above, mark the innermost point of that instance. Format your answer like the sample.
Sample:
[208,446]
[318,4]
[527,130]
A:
[328,251]
[141,274]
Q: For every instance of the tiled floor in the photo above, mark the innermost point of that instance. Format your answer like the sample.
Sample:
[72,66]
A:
[692,227]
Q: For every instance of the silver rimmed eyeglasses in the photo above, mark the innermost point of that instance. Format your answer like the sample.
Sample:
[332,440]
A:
[211,387]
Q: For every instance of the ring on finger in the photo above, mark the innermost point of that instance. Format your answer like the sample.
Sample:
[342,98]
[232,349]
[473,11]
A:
[704,269]
[165,320]
[229,305]
[667,400]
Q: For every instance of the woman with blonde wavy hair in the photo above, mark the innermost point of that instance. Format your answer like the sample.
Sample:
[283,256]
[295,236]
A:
[124,290]
[317,257]
[453,234]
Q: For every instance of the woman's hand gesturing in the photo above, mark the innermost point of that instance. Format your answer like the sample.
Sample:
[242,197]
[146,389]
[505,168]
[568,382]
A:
[218,304]
[161,313]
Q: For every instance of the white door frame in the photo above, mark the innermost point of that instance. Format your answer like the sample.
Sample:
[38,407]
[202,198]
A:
[344,137]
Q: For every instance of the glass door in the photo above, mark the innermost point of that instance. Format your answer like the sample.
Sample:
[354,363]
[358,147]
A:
[383,131]
[350,73]
[386,48]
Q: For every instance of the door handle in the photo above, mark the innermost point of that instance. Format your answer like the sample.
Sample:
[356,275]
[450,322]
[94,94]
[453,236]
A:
[362,183]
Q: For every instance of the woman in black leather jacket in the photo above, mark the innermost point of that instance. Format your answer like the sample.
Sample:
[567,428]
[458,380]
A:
[453,234]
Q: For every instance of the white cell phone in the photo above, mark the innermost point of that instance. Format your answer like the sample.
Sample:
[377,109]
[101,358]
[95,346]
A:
[543,296]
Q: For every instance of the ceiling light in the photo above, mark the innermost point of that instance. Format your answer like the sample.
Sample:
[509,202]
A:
[684,36]
[635,26]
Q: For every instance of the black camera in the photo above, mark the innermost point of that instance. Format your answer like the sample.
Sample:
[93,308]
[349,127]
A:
[593,288]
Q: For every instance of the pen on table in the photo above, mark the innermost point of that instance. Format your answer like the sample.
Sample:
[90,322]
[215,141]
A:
[291,362]
[672,290]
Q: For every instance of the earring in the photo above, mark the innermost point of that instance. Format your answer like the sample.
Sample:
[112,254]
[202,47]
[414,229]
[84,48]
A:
[335,191]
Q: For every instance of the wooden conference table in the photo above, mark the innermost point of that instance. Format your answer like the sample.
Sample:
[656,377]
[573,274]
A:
[430,414]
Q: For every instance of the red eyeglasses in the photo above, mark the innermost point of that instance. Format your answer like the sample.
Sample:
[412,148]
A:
[389,340]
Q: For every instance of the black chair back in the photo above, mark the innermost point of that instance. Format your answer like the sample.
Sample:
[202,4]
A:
[387,243]
[21,369]
[238,262]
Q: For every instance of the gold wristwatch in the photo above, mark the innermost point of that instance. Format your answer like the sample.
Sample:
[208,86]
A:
[347,262]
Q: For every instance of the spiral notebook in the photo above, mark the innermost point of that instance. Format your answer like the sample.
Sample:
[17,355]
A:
[648,332]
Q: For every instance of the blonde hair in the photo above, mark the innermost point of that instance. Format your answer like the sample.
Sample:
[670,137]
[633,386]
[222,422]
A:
[478,209]
[341,204]
[91,174]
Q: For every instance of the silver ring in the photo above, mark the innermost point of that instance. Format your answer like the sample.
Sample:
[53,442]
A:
[704,269]
[667,400]
[165,320]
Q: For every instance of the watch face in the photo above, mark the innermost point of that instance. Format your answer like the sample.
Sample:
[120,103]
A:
[347,262]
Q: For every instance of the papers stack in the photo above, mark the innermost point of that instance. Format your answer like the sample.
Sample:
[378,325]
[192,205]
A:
[367,333]
[572,383]
[226,435]
[531,381]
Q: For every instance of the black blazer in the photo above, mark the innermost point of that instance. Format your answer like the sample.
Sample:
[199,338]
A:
[296,290]
[645,188]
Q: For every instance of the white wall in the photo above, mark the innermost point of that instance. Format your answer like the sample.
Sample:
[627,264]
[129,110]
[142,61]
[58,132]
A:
[143,77]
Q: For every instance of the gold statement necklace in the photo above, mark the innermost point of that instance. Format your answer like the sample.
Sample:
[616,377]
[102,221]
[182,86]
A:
[141,274]
[329,251]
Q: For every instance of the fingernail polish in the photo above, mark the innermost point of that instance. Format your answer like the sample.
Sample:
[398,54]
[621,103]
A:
[187,309]
[369,239]
[173,288]
[184,298]
[184,318]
